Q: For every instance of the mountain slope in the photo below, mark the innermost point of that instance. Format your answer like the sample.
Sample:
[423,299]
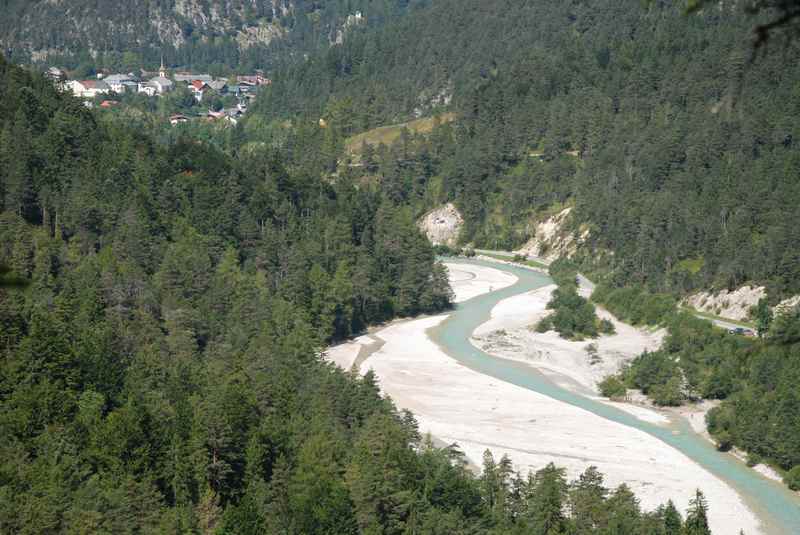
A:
[679,155]
[187,32]
[161,372]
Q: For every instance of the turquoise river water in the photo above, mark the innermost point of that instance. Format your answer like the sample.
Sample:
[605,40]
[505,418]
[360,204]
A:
[776,506]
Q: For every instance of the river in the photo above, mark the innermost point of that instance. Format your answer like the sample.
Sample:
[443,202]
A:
[776,506]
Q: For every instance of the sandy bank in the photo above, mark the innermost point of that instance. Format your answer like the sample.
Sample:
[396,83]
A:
[470,280]
[457,404]
[509,334]
[478,412]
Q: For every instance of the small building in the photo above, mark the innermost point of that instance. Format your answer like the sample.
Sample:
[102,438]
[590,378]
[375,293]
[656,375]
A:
[220,86]
[198,89]
[130,86]
[147,88]
[109,104]
[55,74]
[245,86]
[253,80]
[88,88]
[119,83]
[161,84]
[178,119]
[187,77]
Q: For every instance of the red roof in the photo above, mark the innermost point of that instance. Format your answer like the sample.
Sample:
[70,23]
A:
[199,85]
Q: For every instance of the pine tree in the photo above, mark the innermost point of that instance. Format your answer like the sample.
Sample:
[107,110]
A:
[673,523]
[696,516]
[546,507]
[587,500]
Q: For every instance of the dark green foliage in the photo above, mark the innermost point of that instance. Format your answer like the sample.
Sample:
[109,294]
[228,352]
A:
[792,478]
[756,378]
[574,316]
[762,313]
[548,97]
[133,35]
[612,387]
[635,305]
[161,372]
[696,517]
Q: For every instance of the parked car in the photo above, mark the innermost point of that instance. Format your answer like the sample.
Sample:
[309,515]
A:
[742,331]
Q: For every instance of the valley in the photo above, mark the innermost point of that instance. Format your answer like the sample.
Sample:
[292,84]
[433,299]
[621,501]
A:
[479,400]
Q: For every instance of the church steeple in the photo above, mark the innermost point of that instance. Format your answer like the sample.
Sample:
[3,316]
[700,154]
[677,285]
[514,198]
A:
[162,71]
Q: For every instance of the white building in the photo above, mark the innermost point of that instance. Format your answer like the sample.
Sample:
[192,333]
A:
[119,83]
[160,84]
[88,88]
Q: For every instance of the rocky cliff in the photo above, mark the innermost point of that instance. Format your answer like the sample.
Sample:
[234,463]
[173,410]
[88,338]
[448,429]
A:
[552,239]
[442,225]
[43,29]
[187,32]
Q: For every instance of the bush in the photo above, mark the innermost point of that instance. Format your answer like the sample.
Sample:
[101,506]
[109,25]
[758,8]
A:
[635,305]
[606,327]
[669,394]
[544,325]
[792,478]
[612,387]
[753,459]
[574,317]
[724,441]
[444,250]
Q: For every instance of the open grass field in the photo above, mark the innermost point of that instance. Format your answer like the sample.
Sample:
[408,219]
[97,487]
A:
[391,133]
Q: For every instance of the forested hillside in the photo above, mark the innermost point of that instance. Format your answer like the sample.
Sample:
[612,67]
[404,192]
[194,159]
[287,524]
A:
[219,35]
[679,154]
[161,370]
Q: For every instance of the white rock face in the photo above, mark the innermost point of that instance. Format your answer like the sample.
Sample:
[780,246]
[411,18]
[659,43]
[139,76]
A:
[787,305]
[551,240]
[442,225]
[734,304]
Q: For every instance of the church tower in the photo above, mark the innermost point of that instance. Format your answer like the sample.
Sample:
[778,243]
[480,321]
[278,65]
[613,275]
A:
[162,71]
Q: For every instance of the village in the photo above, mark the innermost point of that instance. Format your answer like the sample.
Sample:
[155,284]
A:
[107,89]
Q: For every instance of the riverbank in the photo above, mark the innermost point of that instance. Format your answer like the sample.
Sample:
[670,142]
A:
[509,334]
[579,366]
[695,414]
[478,412]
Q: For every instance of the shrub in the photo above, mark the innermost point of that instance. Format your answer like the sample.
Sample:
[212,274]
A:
[612,387]
[668,394]
[606,327]
[544,325]
[444,250]
[724,441]
[792,478]
[593,354]
[753,459]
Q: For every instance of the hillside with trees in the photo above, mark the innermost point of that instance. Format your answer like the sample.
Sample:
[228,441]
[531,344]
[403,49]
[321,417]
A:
[678,152]
[671,136]
[160,365]
[215,36]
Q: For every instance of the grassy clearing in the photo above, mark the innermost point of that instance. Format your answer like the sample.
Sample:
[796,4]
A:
[391,133]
